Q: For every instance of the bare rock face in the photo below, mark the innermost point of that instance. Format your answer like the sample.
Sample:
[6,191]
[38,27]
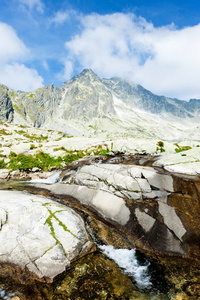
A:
[37,106]
[38,235]
[84,91]
[6,108]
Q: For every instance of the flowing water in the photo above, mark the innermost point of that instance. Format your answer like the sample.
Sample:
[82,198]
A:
[127,260]
[55,177]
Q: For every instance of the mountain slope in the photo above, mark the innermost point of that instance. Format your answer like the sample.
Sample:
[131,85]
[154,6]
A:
[88,105]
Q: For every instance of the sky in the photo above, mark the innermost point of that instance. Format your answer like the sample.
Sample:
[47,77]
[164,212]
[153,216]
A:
[153,43]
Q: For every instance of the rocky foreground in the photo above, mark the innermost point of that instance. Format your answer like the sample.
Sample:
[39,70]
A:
[77,196]
[129,201]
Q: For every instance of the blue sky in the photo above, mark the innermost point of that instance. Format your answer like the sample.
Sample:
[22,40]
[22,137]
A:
[153,43]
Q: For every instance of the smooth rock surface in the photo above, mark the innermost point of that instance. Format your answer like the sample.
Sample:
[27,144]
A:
[40,234]
[123,178]
[107,204]
[185,162]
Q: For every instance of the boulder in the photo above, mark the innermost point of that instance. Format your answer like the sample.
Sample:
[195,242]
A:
[4,173]
[39,234]
[185,162]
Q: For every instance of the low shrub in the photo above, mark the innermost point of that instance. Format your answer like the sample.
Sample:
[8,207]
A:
[160,146]
[32,146]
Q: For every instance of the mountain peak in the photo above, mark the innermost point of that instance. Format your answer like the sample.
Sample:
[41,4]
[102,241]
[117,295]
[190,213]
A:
[88,71]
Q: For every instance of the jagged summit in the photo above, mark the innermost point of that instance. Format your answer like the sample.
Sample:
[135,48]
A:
[86,75]
[88,72]
[87,105]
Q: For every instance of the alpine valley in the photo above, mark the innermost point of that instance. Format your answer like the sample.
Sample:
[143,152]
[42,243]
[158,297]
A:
[99,193]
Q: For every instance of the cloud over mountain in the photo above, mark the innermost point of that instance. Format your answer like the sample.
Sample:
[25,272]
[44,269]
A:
[164,59]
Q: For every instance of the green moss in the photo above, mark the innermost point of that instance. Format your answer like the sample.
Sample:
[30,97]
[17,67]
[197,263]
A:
[64,226]
[50,224]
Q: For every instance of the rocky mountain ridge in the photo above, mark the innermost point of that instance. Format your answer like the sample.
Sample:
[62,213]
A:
[90,106]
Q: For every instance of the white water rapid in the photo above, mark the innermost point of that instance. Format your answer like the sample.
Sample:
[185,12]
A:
[127,260]
[55,177]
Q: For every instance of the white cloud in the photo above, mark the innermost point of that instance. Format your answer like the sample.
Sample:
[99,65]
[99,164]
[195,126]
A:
[165,60]
[19,77]
[31,4]
[13,52]
[67,72]
[11,46]
[60,17]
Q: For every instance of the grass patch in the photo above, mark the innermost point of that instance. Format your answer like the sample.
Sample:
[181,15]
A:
[100,150]
[181,148]
[60,148]
[41,160]
[34,137]
[73,155]
[20,131]
[44,161]
[2,164]
[4,132]
[12,154]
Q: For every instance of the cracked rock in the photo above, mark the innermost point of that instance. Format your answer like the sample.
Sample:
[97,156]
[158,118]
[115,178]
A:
[40,234]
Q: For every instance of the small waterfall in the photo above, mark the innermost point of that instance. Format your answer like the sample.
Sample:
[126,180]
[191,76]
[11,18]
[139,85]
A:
[55,177]
[127,260]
